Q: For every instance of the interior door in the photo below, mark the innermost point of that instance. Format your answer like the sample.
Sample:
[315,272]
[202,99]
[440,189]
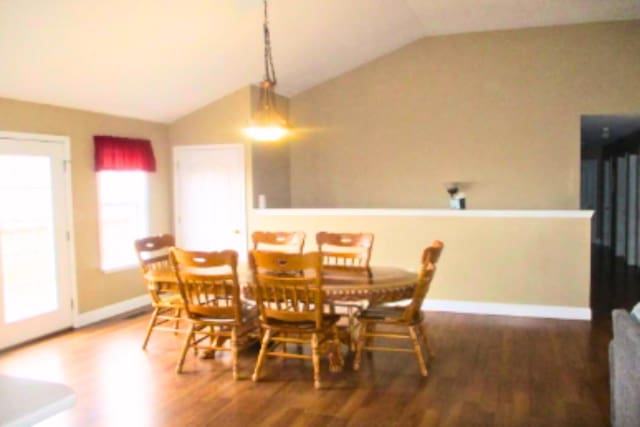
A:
[210,197]
[35,261]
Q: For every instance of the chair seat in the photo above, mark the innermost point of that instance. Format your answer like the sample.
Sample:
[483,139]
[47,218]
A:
[328,320]
[391,314]
[171,298]
[249,313]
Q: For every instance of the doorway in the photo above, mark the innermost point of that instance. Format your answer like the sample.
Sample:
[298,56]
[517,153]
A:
[209,196]
[36,279]
[610,185]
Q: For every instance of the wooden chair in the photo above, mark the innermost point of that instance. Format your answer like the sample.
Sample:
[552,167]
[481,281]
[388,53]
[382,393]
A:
[346,253]
[153,256]
[409,317]
[211,295]
[281,241]
[432,253]
[291,309]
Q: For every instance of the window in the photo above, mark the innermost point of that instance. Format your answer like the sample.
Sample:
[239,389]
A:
[124,214]
[122,165]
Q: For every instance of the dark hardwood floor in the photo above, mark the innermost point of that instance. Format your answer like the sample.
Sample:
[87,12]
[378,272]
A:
[488,371]
[614,284]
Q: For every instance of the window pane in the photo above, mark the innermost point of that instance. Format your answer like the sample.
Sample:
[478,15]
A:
[27,254]
[123,216]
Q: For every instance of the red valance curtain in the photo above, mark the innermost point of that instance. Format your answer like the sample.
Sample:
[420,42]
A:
[113,153]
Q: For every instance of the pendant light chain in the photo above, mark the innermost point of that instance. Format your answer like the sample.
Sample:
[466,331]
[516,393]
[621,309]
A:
[266,123]
[270,71]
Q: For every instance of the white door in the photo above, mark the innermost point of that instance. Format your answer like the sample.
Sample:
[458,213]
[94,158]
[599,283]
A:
[210,197]
[35,251]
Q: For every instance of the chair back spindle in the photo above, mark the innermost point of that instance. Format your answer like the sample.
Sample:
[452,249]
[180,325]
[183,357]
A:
[285,297]
[345,252]
[208,283]
[281,241]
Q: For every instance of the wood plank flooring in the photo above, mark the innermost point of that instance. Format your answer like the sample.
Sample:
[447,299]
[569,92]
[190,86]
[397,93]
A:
[488,371]
[614,284]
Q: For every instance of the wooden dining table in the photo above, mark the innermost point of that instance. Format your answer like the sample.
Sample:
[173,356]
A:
[386,284]
[383,285]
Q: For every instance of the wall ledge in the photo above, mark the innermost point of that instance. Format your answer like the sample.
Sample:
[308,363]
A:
[470,213]
[93,316]
[501,309]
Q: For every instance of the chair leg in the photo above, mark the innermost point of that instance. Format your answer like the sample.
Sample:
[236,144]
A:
[214,341]
[185,348]
[234,352]
[263,351]
[316,360]
[152,323]
[194,338]
[336,360]
[418,350]
[364,327]
[425,338]
[352,323]
[371,330]
[176,325]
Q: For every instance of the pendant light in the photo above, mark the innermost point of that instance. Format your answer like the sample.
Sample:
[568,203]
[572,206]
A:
[267,124]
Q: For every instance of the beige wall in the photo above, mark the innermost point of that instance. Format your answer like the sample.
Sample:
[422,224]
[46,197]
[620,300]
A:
[95,288]
[538,261]
[271,169]
[498,110]
[222,122]
[217,123]
[271,174]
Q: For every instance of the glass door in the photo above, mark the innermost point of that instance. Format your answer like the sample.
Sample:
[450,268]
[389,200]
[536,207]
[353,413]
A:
[35,280]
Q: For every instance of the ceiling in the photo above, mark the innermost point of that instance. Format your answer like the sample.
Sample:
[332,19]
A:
[161,59]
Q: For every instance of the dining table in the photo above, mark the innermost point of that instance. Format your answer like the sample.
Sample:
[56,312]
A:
[380,285]
[383,285]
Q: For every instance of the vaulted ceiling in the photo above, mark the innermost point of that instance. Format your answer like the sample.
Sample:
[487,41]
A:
[161,59]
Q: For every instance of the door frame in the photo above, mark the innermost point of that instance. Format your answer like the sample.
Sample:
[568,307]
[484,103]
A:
[240,148]
[68,195]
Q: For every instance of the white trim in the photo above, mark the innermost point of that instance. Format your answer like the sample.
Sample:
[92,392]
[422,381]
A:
[501,309]
[34,137]
[71,241]
[478,213]
[84,319]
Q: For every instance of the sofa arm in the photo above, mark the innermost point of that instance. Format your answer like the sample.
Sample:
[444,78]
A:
[625,370]
[625,327]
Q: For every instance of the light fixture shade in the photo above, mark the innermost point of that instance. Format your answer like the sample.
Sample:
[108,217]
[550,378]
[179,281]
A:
[267,125]
[266,133]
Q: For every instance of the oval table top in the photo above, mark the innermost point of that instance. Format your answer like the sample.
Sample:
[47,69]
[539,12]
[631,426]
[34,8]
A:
[386,284]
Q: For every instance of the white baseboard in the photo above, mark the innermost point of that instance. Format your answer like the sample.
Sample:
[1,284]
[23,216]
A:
[472,307]
[84,319]
[522,310]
